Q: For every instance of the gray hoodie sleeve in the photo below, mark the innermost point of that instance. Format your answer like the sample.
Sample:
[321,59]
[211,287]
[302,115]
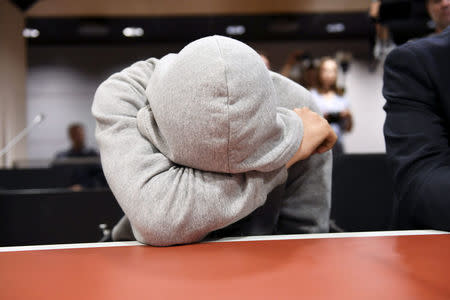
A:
[166,203]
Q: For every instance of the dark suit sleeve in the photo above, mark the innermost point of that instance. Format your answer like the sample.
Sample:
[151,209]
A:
[417,141]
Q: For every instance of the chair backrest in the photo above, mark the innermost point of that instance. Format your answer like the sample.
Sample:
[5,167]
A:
[36,178]
[362,192]
[60,175]
[31,217]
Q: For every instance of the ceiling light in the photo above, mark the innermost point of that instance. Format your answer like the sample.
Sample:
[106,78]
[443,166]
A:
[30,33]
[133,31]
[335,27]
[235,30]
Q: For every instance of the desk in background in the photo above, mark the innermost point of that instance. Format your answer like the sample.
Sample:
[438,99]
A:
[63,173]
[47,216]
[29,217]
[387,265]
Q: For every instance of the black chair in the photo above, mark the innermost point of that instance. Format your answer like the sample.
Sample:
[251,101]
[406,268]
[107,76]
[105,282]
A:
[31,217]
[39,178]
[62,174]
[362,192]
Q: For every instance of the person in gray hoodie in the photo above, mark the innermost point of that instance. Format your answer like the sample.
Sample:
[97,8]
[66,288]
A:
[206,143]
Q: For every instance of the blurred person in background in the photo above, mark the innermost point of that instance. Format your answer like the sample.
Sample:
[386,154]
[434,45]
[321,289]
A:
[80,162]
[300,68]
[382,43]
[332,104]
[439,11]
[78,148]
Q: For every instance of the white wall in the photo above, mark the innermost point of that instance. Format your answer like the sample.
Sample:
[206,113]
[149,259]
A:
[64,96]
[366,101]
[62,82]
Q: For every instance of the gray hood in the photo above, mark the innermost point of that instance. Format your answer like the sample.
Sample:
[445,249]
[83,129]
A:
[214,106]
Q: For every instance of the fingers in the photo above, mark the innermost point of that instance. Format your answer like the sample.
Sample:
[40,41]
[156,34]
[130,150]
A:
[301,109]
[328,143]
[328,136]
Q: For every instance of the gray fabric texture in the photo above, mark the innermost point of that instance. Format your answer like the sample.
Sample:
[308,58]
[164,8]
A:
[206,104]
[196,141]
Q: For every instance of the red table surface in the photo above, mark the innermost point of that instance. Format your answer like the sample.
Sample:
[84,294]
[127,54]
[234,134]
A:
[404,267]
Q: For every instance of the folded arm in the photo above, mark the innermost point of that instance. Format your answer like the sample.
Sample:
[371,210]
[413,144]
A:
[165,203]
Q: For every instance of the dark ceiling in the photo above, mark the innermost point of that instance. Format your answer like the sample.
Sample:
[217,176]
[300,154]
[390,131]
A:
[406,19]
[185,29]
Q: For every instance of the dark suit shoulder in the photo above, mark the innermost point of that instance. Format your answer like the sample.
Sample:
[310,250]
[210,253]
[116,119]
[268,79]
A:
[419,70]
[435,46]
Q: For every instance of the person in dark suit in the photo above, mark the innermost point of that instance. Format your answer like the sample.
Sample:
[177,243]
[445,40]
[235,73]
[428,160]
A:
[417,131]
[78,148]
[81,162]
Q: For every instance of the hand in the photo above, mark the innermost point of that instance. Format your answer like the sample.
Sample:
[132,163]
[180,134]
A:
[318,136]
[347,118]
[345,113]
[76,188]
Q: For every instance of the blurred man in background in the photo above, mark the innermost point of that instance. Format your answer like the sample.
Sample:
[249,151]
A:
[80,162]
[78,147]
[439,11]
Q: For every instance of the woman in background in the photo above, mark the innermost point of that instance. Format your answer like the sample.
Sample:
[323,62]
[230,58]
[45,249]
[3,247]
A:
[332,104]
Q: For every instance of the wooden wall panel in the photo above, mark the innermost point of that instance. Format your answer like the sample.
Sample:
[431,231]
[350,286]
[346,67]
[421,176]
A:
[111,8]
[12,80]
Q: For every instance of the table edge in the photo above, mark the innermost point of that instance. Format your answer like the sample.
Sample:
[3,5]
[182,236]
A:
[234,239]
